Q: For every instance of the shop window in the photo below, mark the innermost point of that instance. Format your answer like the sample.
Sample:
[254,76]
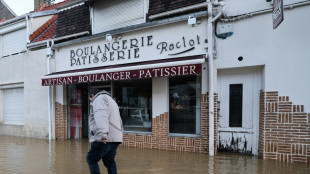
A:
[134,98]
[184,108]
[235,105]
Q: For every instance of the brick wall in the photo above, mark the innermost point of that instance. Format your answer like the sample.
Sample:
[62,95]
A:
[159,138]
[284,131]
[60,121]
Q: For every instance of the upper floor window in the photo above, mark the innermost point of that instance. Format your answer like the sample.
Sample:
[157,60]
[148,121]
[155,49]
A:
[13,42]
[110,15]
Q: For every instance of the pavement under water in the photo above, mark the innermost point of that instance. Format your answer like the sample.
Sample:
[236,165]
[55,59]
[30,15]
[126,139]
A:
[20,155]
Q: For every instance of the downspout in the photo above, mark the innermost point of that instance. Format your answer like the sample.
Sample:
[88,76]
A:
[211,66]
[49,54]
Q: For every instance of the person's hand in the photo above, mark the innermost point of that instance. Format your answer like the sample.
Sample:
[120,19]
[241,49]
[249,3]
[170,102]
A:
[105,140]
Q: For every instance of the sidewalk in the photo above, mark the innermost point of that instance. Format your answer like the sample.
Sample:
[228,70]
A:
[28,156]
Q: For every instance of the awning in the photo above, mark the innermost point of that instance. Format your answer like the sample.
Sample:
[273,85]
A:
[175,67]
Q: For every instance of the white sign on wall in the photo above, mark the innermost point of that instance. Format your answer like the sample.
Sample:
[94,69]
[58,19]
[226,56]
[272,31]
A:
[170,41]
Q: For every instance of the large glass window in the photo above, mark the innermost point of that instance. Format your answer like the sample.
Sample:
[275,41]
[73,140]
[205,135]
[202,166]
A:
[134,98]
[184,108]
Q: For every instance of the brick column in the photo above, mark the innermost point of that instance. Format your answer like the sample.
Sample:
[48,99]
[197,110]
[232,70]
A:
[60,121]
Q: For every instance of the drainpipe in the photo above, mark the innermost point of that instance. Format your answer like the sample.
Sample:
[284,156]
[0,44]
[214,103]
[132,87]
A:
[49,54]
[211,66]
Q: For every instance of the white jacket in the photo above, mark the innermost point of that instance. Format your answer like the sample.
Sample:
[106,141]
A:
[104,119]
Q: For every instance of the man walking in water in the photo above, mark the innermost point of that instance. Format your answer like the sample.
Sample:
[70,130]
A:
[105,131]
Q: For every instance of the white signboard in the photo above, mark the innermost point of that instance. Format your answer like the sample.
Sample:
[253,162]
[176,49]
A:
[165,42]
[277,13]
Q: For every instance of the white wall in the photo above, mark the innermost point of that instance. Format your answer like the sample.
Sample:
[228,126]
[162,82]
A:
[285,52]
[160,96]
[27,68]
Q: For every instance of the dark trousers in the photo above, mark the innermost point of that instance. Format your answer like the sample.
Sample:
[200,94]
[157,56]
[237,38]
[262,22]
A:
[106,152]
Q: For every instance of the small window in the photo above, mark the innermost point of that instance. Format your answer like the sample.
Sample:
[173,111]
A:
[184,108]
[235,105]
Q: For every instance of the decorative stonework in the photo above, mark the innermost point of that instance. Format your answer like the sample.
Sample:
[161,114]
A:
[159,138]
[60,121]
[284,129]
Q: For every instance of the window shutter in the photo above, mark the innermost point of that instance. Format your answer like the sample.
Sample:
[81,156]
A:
[109,15]
[14,42]
[13,106]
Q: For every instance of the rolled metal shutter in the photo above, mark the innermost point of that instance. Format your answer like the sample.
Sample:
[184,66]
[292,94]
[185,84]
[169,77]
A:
[109,15]
[14,42]
[13,106]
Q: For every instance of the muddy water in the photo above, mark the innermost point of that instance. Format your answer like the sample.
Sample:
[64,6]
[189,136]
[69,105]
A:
[35,156]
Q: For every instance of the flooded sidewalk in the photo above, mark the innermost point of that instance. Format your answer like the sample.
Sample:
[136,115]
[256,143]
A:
[36,156]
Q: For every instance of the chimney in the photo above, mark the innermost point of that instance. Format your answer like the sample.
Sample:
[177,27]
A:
[39,3]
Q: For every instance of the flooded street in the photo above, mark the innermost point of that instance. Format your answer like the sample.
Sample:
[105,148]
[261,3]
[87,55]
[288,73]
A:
[28,156]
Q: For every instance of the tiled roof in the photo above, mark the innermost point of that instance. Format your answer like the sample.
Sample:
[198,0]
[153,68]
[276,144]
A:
[46,31]
[44,7]
[73,20]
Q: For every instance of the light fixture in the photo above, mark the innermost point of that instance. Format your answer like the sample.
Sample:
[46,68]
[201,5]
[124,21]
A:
[108,37]
[191,21]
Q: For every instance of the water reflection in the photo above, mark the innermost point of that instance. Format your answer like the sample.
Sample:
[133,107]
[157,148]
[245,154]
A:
[28,156]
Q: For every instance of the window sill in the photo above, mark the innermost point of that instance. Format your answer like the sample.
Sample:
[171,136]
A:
[184,135]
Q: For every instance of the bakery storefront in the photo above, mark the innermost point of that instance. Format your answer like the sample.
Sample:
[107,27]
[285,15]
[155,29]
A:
[156,75]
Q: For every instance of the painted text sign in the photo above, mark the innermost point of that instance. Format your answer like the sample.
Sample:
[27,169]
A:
[125,75]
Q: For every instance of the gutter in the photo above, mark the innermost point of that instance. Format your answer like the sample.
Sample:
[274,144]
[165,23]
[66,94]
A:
[12,21]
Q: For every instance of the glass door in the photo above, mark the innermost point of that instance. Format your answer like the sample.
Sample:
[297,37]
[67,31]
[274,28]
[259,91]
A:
[78,111]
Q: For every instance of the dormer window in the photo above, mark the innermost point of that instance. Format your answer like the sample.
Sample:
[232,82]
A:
[110,15]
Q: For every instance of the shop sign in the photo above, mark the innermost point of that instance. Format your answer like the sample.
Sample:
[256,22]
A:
[149,45]
[118,51]
[125,75]
[277,13]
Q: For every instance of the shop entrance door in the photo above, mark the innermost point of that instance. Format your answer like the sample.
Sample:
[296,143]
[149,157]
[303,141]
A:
[239,110]
[79,109]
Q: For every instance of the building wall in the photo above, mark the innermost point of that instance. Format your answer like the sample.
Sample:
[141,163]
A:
[26,69]
[284,129]
[284,51]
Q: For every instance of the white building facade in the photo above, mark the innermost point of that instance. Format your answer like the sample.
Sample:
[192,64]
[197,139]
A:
[161,68]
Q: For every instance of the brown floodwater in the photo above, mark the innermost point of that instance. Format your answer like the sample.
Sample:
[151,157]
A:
[20,155]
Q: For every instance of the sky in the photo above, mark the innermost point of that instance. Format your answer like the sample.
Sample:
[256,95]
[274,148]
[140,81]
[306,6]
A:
[20,7]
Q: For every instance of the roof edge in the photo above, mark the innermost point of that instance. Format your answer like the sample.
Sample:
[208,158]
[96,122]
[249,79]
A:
[14,20]
[9,8]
